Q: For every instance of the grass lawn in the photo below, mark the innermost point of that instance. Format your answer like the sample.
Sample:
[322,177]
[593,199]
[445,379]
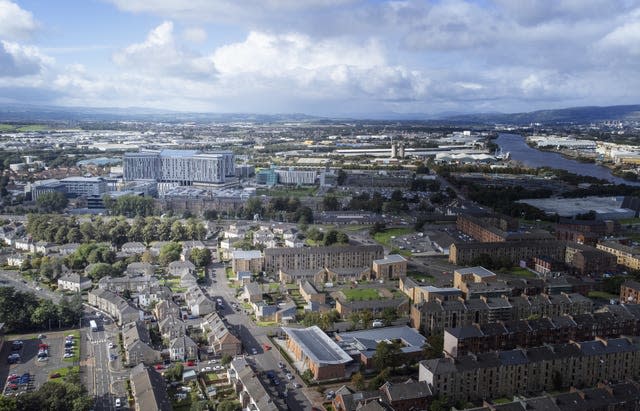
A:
[623,221]
[7,127]
[521,272]
[360,294]
[266,323]
[274,287]
[229,272]
[384,237]
[602,295]
[210,377]
[428,278]
[76,348]
[32,127]
[65,371]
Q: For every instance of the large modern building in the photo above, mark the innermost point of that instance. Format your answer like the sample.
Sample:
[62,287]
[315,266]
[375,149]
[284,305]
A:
[186,167]
[70,187]
[317,352]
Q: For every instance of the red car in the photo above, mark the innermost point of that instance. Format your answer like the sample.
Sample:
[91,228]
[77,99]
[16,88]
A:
[13,386]
[190,363]
[266,347]
[159,367]
[12,377]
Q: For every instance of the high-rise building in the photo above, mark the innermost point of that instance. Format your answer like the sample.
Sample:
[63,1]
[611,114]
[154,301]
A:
[179,166]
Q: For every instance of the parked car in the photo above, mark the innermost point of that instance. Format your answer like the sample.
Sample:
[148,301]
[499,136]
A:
[55,375]
[254,351]
[280,364]
[159,367]
[190,363]
[289,377]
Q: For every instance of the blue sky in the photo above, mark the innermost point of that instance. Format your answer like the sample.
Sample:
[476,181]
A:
[324,57]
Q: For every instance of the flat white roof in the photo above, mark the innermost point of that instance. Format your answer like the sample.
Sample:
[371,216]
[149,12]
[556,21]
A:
[317,345]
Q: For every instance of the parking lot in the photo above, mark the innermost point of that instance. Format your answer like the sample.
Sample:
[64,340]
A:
[39,369]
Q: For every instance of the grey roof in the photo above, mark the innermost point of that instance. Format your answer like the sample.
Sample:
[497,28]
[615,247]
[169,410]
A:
[407,390]
[479,271]
[391,258]
[408,335]
[317,345]
[513,357]
[467,331]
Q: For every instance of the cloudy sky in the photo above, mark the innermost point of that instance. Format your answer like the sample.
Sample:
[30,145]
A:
[323,57]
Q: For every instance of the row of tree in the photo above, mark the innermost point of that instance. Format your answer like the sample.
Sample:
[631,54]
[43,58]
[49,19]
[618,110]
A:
[63,229]
[22,311]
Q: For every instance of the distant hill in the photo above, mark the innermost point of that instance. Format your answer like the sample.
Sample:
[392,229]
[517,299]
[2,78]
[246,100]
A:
[576,115]
[27,113]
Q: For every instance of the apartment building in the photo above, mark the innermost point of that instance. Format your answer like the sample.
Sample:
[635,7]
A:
[626,256]
[310,258]
[479,338]
[435,316]
[546,368]
[513,251]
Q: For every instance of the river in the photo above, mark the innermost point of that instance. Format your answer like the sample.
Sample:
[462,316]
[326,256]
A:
[517,146]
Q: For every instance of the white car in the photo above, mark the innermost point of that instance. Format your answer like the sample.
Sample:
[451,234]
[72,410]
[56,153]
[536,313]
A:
[68,355]
[289,376]
[218,368]
[254,351]
[207,369]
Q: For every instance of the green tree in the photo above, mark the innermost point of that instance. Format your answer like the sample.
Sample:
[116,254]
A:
[99,270]
[331,237]
[170,252]
[56,396]
[45,312]
[342,238]
[226,360]
[387,355]
[358,381]
[389,315]
[52,202]
[330,203]
[178,231]
[200,257]
[227,405]
[16,308]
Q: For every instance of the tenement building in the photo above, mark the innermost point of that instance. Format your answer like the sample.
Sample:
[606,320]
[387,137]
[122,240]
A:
[186,167]
[611,321]
[434,316]
[525,371]
[311,258]
[513,251]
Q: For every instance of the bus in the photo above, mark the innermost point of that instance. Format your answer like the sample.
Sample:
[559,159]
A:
[93,325]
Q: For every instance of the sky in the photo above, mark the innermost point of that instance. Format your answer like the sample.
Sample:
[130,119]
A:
[321,57]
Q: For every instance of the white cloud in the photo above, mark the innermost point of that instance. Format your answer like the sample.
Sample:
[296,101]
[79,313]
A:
[195,35]
[17,60]
[623,38]
[15,22]
[160,53]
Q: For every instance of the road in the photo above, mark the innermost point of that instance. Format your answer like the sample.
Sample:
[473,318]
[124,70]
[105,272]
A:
[15,280]
[254,337]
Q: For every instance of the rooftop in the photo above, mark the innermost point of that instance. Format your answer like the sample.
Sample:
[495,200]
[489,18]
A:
[317,345]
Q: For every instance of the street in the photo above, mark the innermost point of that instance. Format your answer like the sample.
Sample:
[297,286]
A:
[254,337]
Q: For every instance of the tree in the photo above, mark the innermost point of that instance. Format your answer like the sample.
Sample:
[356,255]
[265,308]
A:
[226,360]
[45,312]
[433,347]
[52,202]
[200,257]
[389,315]
[387,355]
[56,396]
[99,270]
[174,373]
[178,231]
[342,238]
[358,381]
[227,405]
[16,308]
[331,237]
[170,252]
[330,203]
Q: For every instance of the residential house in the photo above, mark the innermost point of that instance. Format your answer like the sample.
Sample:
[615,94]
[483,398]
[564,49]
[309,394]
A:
[16,260]
[149,389]
[244,277]
[67,249]
[408,395]
[220,339]
[251,393]
[199,304]
[165,309]
[172,327]
[183,348]
[140,269]
[114,305]
[137,344]
[74,282]
[43,247]
[153,294]
[133,248]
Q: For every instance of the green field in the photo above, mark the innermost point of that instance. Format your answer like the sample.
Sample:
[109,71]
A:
[384,237]
[361,294]
[602,295]
[520,272]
